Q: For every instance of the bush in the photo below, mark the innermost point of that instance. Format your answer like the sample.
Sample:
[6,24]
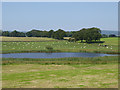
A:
[112,35]
[49,48]
[71,40]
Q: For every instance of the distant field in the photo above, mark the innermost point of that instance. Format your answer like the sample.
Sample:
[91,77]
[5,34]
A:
[66,37]
[26,39]
[62,45]
[110,41]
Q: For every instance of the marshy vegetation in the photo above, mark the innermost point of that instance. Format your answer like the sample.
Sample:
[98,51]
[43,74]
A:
[61,61]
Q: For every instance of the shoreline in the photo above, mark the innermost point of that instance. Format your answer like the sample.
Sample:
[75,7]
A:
[58,51]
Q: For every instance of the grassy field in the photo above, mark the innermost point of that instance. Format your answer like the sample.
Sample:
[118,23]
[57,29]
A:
[63,46]
[96,72]
[35,39]
[110,41]
[60,76]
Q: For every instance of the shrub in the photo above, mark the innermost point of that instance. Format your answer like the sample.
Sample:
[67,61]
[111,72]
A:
[49,48]
[71,39]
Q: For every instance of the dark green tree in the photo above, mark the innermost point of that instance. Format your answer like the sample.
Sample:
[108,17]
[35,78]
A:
[88,34]
[5,33]
[37,33]
[112,35]
[59,34]
[17,34]
[50,33]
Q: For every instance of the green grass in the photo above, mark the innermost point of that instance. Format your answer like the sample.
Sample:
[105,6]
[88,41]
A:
[63,46]
[110,40]
[60,76]
[61,61]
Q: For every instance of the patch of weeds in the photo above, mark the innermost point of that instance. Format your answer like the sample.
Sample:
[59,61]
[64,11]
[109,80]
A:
[63,80]
[40,78]
[106,85]
[56,87]
[24,80]
[81,85]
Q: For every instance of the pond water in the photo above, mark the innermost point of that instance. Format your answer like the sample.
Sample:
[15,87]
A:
[53,55]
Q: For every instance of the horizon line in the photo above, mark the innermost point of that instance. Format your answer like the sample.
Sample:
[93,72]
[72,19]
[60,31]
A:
[51,29]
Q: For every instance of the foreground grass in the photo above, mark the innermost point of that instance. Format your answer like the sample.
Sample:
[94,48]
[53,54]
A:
[61,46]
[60,76]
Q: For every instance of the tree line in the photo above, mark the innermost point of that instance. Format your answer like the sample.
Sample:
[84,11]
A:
[59,34]
[87,34]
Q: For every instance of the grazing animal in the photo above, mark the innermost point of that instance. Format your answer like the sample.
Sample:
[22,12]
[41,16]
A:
[103,45]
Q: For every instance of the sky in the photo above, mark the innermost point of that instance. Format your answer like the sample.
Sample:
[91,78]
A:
[69,16]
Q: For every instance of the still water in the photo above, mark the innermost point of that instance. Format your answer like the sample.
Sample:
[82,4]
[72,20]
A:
[53,55]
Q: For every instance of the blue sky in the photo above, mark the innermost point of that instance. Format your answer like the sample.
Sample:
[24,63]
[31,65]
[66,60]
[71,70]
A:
[25,16]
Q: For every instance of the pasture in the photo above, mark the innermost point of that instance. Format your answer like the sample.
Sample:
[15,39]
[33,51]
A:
[60,76]
[62,45]
[97,72]
[18,39]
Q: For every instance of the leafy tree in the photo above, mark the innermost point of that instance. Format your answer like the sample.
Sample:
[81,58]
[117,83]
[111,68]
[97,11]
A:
[17,34]
[37,33]
[44,33]
[79,35]
[59,34]
[5,33]
[21,34]
[88,34]
[50,33]
[0,32]
[95,33]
